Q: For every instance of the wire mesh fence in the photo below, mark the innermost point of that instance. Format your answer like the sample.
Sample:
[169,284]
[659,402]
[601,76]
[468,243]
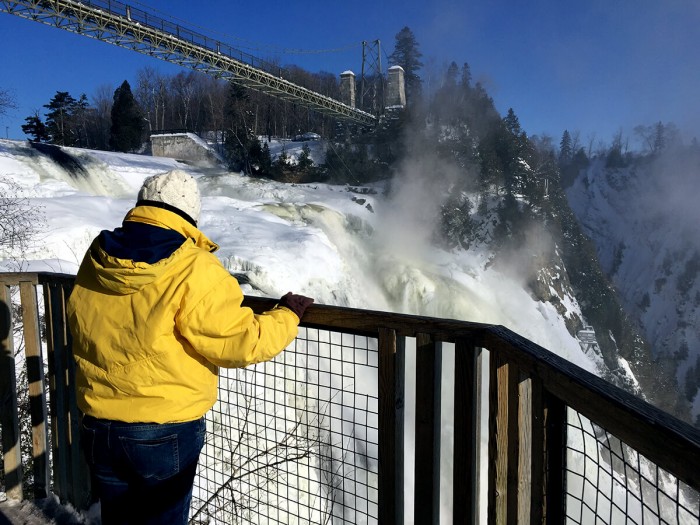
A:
[295,440]
[608,482]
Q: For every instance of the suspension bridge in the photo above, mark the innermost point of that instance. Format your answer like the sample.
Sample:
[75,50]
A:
[125,26]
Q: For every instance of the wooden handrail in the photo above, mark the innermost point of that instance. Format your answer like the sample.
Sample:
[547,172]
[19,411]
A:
[667,441]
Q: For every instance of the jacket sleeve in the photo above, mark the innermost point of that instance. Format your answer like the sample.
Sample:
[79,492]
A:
[232,336]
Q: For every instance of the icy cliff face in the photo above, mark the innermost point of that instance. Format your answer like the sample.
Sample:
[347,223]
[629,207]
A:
[644,221]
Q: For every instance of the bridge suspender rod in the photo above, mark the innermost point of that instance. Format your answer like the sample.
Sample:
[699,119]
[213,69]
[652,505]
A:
[124,26]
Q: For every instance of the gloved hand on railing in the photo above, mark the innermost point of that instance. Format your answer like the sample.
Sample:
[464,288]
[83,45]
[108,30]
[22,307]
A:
[296,303]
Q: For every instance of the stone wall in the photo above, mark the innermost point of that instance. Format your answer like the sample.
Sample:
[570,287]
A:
[186,147]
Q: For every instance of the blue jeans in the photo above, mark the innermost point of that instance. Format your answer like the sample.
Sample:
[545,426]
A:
[143,472]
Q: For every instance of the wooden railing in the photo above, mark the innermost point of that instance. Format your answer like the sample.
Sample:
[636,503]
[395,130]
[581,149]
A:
[534,438]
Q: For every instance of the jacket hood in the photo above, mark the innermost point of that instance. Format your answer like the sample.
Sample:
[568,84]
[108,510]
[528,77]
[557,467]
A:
[149,243]
[167,219]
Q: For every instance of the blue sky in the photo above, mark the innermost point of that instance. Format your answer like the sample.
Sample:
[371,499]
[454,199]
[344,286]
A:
[594,66]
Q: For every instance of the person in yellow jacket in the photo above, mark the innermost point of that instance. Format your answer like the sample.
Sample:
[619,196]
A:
[153,315]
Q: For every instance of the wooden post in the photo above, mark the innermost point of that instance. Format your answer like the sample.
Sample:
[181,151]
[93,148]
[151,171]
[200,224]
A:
[555,454]
[503,442]
[391,414]
[466,432]
[537,452]
[427,451]
[57,385]
[80,472]
[524,466]
[71,474]
[9,411]
[37,393]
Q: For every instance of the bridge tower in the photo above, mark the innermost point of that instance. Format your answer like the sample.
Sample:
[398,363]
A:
[396,87]
[347,88]
[372,78]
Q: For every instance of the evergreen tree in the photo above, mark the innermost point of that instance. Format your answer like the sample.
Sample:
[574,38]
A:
[127,121]
[451,75]
[304,161]
[659,138]
[79,122]
[456,225]
[518,135]
[35,128]
[266,161]
[565,153]
[570,171]
[480,112]
[466,80]
[260,160]
[447,97]
[239,136]
[282,167]
[514,148]
[238,145]
[58,124]
[407,55]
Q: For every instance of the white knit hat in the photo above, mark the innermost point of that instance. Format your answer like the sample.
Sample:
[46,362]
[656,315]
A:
[175,188]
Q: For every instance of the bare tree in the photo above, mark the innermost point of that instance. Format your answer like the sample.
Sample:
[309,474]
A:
[203,113]
[102,117]
[216,105]
[183,93]
[7,102]
[575,141]
[591,142]
[658,137]
[257,449]
[151,94]
[20,221]
[20,224]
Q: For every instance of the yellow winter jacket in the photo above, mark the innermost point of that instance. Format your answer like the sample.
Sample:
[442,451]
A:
[148,338]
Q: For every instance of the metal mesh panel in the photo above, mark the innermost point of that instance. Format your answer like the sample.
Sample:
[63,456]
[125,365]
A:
[608,482]
[294,440]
